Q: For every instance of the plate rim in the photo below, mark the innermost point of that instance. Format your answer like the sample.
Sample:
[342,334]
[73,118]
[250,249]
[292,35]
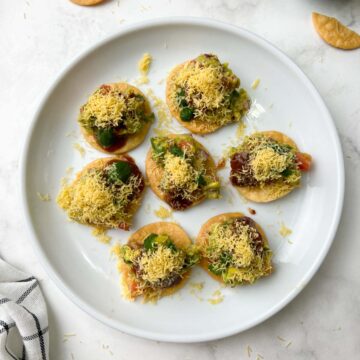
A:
[41,255]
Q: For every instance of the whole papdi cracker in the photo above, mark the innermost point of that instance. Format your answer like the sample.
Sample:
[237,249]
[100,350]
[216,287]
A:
[335,33]
[87,2]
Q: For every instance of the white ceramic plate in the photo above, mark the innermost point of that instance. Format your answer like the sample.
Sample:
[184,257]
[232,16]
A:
[285,100]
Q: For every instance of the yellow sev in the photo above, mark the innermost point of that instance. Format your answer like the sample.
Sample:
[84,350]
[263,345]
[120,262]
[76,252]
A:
[90,200]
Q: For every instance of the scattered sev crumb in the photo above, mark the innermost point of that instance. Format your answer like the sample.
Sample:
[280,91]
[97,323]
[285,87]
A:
[145,63]
[259,356]
[249,350]
[217,298]
[197,285]
[69,170]
[160,81]
[43,197]
[240,131]
[164,118]
[196,289]
[101,235]
[252,211]
[80,149]
[64,181]
[115,250]
[284,231]
[221,164]
[255,84]
[144,66]
[288,343]
[163,213]
[68,336]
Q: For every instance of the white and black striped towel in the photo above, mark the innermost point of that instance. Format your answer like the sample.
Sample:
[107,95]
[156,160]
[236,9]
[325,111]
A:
[23,317]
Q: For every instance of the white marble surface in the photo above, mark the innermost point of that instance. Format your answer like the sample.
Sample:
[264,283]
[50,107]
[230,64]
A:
[38,37]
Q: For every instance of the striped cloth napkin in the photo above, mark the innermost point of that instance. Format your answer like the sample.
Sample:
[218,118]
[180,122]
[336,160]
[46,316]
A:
[23,316]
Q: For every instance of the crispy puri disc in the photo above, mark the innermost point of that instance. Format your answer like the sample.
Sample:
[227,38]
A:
[201,239]
[154,172]
[103,163]
[87,2]
[268,193]
[136,240]
[132,141]
[195,126]
[335,33]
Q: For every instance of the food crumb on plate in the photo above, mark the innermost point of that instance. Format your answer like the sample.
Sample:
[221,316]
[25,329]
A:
[249,350]
[240,130]
[284,231]
[163,213]
[252,211]
[43,197]
[80,149]
[101,234]
[217,298]
[255,84]
[144,67]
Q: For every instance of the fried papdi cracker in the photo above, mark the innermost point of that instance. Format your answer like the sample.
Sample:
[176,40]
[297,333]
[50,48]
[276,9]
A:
[335,33]
[202,237]
[87,2]
[272,191]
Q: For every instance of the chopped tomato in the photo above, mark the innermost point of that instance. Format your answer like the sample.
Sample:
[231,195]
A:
[105,89]
[133,288]
[304,161]
[124,226]
[185,145]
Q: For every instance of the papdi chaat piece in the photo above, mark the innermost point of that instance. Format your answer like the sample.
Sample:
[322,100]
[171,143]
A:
[116,118]
[156,261]
[267,166]
[234,249]
[105,194]
[203,94]
[181,171]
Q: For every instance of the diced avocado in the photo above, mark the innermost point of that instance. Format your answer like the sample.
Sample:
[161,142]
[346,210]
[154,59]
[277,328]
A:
[201,180]
[126,253]
[213,185]
[158,144]
[149,242]
[175,150]
[215,270]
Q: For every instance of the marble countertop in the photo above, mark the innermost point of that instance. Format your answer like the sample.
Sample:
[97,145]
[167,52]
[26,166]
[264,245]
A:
[39,37]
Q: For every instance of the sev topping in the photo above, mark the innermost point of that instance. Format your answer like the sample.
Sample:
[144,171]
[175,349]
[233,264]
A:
[156,265]
[187,174]
[260,160]
[236,252]
[159,264]
[92,199]
[208,90]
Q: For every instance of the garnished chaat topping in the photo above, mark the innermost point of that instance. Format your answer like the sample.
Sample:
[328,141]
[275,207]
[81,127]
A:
[113,112]
[186,173]
[158,264]
[103,196]
[235,250]
[207,90]
[261,160]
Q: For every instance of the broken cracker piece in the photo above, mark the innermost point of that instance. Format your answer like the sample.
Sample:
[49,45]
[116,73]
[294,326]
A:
[335,33]
[87,2]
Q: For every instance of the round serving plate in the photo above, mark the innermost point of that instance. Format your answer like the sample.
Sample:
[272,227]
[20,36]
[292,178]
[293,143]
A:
[285,101]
